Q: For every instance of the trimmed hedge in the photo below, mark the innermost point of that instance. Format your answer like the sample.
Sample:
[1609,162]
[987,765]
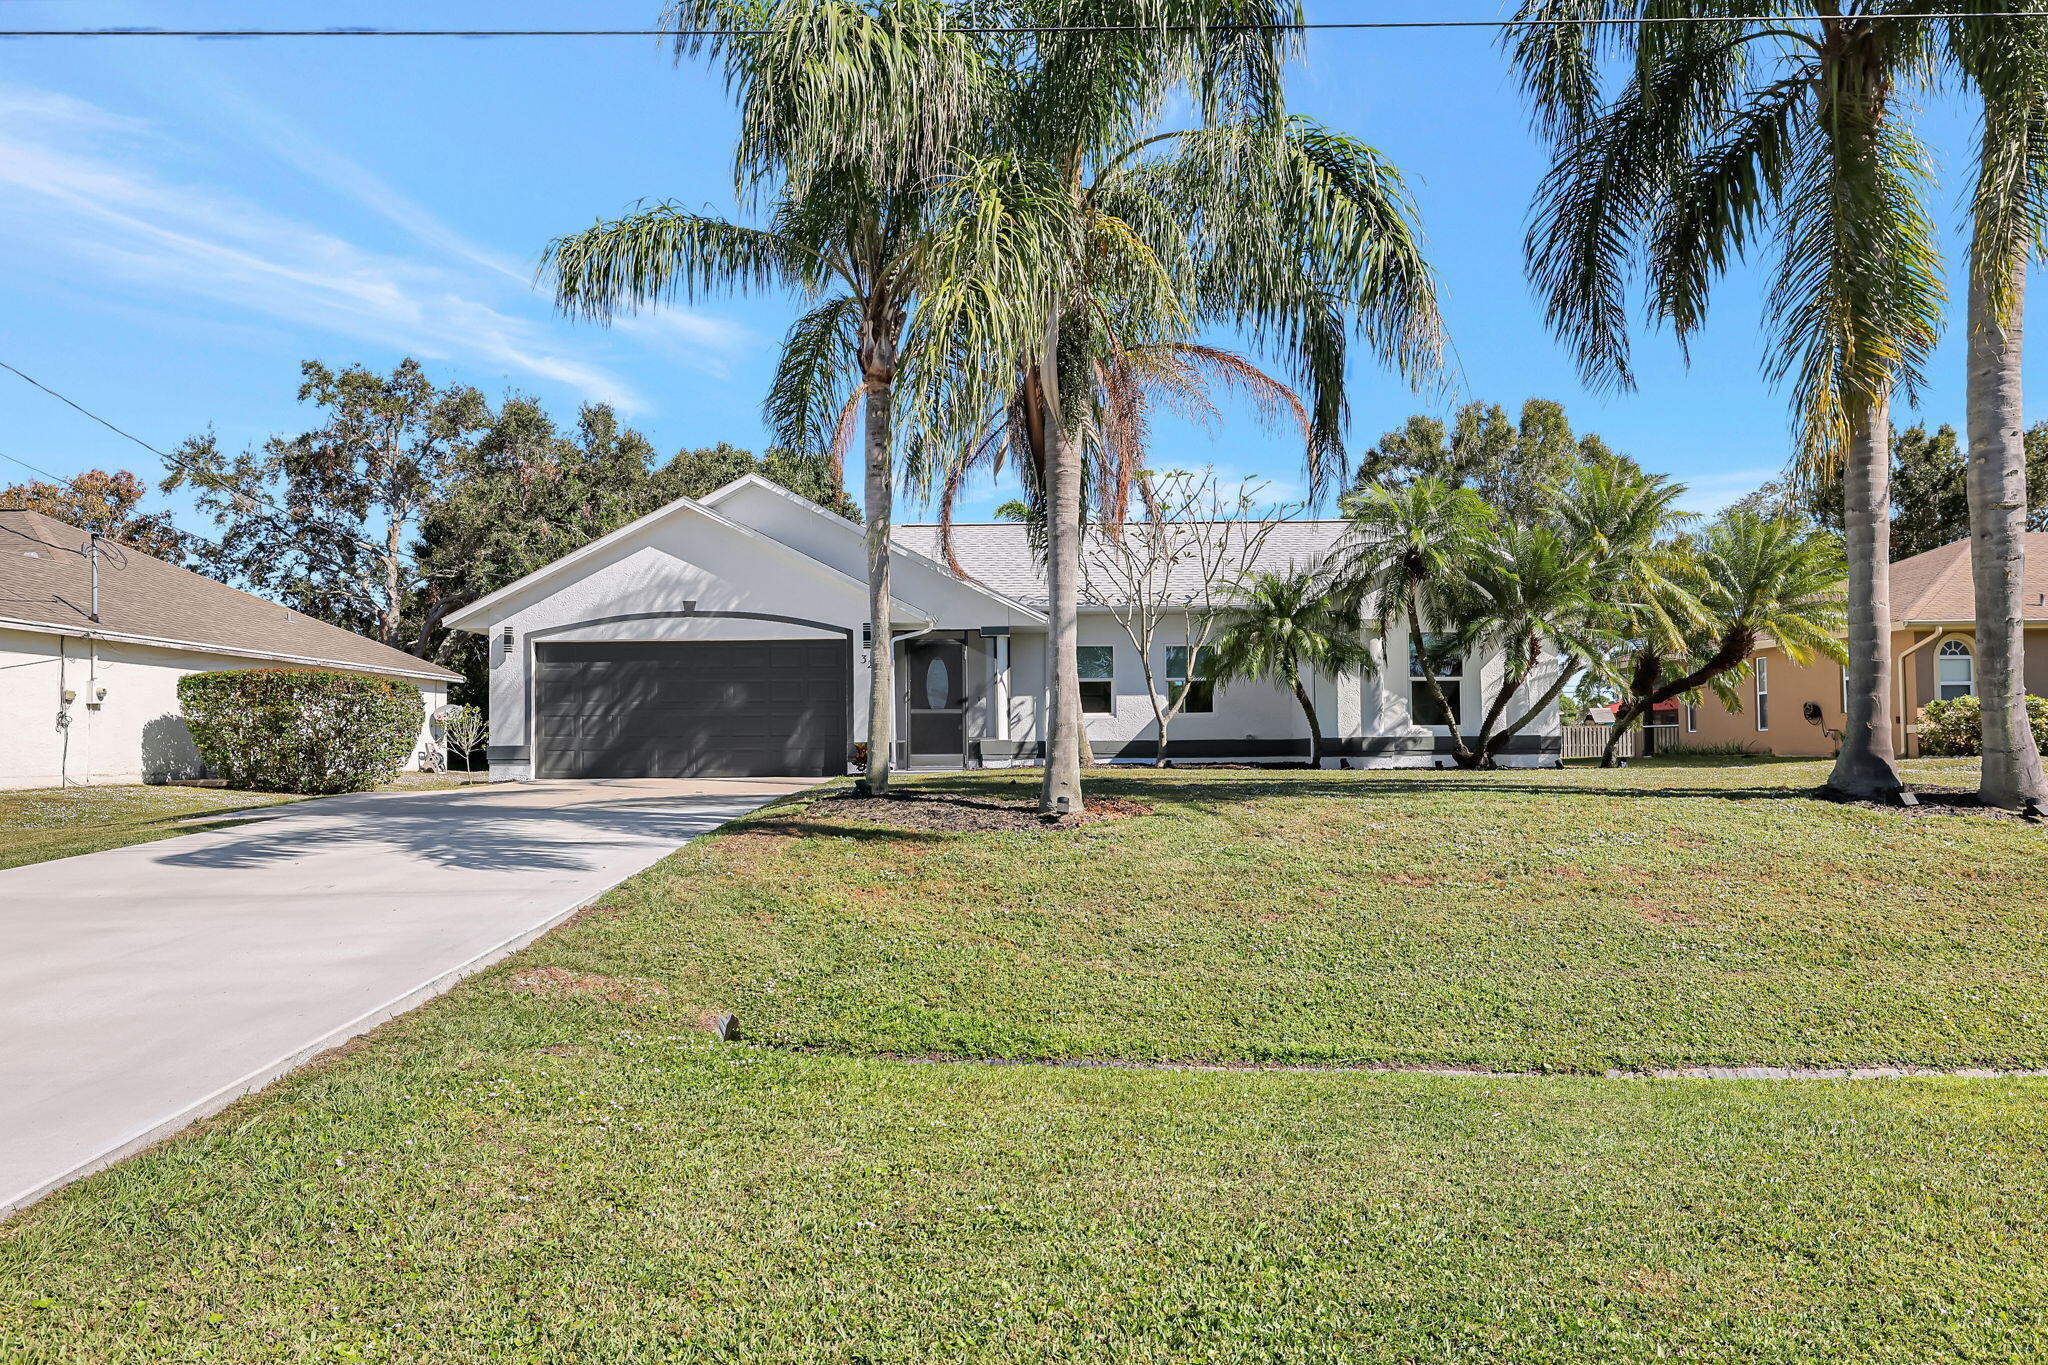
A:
[311,732]
[1954,728]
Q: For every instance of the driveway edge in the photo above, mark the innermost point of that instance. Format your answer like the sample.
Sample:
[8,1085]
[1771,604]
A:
[283,1066]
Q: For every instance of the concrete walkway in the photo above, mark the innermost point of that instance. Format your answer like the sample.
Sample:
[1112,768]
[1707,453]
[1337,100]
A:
[146,987]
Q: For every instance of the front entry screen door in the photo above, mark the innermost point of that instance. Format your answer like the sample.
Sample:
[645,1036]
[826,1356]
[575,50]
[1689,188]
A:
[937,673]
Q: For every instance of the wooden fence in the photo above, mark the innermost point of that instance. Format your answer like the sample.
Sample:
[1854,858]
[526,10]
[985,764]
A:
[1590,741]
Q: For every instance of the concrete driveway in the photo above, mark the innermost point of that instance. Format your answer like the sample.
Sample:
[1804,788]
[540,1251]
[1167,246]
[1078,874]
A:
[146,987]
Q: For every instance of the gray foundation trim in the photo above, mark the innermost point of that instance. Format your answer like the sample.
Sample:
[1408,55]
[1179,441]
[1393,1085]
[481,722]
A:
[1368,746]
[508,753]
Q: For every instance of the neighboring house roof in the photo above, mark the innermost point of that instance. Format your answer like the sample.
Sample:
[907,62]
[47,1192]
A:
[1000,554]
[1936,587]
[45,583]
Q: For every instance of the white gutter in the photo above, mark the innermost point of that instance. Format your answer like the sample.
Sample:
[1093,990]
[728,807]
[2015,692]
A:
[160,642]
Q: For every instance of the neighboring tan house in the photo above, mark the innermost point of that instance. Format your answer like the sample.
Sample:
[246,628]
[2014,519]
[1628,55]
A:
[728,636]
[1790,710]
[89,679]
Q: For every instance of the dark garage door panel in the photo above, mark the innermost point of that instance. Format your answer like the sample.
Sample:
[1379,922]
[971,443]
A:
[701,708]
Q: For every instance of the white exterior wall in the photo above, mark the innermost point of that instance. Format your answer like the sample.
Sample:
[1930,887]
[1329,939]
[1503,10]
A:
[134,735]
[680,562]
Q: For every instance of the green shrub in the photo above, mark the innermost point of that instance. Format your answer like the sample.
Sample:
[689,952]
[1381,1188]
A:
[282,730]
[1953,728]
[1727,749]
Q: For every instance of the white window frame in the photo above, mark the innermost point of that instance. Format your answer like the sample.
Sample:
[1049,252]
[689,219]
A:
[1763,694]
[1453,684]
[1955,647]
[1109,678]
[1692,720]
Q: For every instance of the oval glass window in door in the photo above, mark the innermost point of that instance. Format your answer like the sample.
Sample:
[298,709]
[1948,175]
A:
[938,684]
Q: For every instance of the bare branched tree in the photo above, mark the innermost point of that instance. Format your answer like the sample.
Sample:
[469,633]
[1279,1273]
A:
[1168,572]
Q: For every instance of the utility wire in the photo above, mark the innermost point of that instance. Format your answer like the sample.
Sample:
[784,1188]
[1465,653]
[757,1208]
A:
[1341,25]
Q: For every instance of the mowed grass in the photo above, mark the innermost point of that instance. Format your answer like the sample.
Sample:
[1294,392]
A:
[60,822]
[1579,920]
[510,1178]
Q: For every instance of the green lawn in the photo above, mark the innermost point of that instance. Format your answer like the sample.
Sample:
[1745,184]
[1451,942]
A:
[1578,920]
[511,1177]
[42,823]
[58,822]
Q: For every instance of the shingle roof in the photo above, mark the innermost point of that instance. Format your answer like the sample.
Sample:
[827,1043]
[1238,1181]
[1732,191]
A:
[1000,555]
[1936,586]
[44,579]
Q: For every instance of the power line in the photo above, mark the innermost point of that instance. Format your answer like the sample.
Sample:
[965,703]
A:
[87,411]
[1332,26]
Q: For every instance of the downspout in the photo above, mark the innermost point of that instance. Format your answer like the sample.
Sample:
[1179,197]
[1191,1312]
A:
[1899,677]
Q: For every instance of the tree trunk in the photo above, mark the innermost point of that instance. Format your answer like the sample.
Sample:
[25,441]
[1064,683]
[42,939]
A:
[1510,683]
[880,497]
[1063,582]
[1436,687]
[2012,772]
[1515,727]
[1315,726]
[1866,769]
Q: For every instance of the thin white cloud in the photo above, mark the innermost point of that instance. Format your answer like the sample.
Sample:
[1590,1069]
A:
[1709,493]
[82,184]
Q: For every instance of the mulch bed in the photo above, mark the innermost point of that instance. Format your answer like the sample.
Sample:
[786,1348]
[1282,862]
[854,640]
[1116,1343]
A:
[966,814]
[1934,801]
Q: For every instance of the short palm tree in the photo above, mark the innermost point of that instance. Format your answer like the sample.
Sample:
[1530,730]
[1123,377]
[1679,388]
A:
[850,114]
[1408,554]
[1768,125]
[1283,628]
[1756,580]
[2006,59]
[1536,590]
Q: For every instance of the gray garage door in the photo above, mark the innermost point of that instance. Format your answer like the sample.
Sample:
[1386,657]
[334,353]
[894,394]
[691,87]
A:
[724,708]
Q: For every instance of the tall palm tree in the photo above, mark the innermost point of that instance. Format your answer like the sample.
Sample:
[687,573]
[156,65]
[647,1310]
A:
[2006,59]
[1408,553]
[850,115]
[1299,238]
[1284,628]
[1729,132]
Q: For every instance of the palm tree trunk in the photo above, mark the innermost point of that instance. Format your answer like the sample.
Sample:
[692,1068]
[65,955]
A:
[1866,768]
[1507,732]
[1063,581]
[880,495]
[1436,687]
[1315,725]
[2012,772]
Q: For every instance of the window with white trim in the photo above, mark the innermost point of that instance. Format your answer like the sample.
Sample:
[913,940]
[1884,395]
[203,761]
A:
[1763,694]
[1955,670]
[1692,720]
[1201,691]
[1097,666]
[1450,675]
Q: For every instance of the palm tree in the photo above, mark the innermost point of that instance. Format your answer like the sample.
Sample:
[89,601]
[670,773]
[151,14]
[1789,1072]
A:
[1757,580]
[1299,238]
[1763,125]
[1285,629]
[1535,587]
[1409,552]
[2007,60]
[850,113]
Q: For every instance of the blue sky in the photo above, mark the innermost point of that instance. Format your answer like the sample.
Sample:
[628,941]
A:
[187,220]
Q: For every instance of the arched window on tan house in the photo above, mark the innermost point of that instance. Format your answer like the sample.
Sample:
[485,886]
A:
[1955,670]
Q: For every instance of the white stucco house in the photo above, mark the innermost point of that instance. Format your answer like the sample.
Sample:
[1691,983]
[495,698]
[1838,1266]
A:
[92,647]
[729,636]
